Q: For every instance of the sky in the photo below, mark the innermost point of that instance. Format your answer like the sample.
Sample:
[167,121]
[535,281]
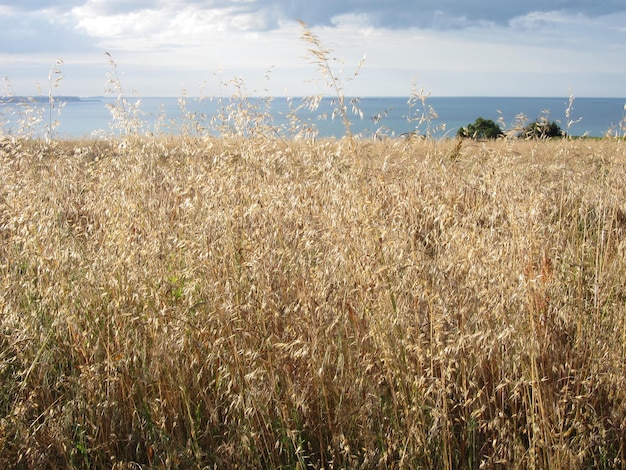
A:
[206,47]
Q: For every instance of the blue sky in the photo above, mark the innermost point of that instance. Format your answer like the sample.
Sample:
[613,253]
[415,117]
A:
[450,48]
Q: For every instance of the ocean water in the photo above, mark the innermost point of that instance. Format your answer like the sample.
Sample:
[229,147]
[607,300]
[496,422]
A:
[393,116]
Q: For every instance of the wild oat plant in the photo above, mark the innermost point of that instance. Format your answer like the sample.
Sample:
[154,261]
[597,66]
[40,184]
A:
[325,61]
[126,114]
[270,303]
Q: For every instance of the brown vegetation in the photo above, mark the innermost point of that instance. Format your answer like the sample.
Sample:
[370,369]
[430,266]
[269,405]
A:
[267,303]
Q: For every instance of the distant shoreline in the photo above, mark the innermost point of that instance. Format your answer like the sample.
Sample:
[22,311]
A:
[44,99]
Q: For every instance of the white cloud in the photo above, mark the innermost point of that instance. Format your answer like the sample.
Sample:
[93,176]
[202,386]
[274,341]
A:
[546,20]
[444,21]
[164,27]
[128,25]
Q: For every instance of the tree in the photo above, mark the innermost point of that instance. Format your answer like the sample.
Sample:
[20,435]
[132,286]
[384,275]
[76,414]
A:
[481,129]
[542,129]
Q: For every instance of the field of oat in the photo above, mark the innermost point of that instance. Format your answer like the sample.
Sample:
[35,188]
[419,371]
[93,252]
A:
[267,303]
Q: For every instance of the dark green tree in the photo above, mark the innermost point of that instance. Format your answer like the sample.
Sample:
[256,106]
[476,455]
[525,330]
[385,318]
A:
[542,129]
[481,129]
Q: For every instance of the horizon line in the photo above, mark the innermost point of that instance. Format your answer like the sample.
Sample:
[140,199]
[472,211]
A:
[351,97]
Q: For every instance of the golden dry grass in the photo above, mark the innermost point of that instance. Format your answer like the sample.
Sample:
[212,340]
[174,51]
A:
[261,303]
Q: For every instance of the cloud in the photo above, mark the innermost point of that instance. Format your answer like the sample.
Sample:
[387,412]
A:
[34,6]
[172,22]
[40,32]
[443,14]
[482,40]
[53,22]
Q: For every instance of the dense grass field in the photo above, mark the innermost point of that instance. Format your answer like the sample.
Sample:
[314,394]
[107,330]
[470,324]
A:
[269,303]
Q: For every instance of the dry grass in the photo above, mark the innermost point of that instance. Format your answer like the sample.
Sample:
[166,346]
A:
[267,303]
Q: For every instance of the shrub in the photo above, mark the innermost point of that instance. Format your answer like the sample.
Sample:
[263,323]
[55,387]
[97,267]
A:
[481,129]
[542,129]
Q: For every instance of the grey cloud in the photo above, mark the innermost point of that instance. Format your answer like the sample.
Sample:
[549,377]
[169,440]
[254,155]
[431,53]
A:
[35,32]
[443,14]
[114,7]
[38,5]
[390,13]
[393,14]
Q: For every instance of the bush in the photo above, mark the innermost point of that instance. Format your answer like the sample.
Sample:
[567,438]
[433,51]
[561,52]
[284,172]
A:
[481,129]
[542,129]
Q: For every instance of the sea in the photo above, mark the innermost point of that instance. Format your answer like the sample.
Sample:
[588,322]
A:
[440,117]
